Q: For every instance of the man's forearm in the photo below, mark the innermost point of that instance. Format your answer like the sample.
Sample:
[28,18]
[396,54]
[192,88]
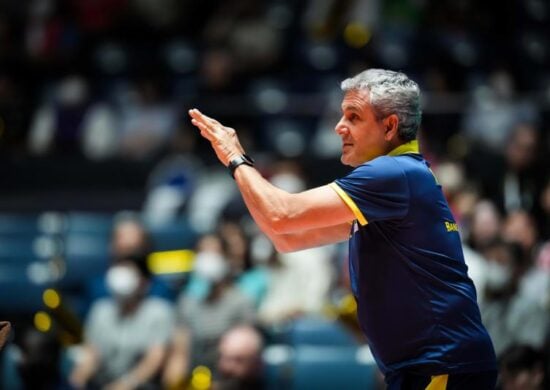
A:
[266,203]
[148,366]
[86,367]
[293,241]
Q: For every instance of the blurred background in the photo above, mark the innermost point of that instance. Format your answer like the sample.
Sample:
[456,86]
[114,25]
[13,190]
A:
[127,258]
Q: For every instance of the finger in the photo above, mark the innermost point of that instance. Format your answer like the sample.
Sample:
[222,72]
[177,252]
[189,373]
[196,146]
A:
[204,129]
[195,113]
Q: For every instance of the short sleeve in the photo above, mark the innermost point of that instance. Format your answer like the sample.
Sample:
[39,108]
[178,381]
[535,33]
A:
[162,321]
[94,327]
[375,191]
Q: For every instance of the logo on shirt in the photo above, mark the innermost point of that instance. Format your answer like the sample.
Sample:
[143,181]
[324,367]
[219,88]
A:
[451,226]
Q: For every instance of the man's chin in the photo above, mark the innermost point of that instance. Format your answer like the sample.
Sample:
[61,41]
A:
[346,161]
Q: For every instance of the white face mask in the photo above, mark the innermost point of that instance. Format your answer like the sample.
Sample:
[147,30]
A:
[211,266]
[498,276]
[122,281]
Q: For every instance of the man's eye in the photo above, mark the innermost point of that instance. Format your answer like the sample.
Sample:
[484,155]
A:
[353,117]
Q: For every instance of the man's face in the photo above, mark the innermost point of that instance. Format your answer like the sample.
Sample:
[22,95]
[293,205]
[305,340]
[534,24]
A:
[237,363]
[363,135]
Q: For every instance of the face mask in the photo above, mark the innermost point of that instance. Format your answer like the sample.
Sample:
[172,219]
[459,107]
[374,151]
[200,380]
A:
[497,276]
[122,281]
[211,266]
[261,250]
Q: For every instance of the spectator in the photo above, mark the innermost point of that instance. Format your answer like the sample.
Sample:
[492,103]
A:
[57,127]
[126,336]
[485,225]
[240,360]
[544,215]
[514,183]
[5,328]
[252,281]
[495,110]
[203,319]
[129,239]
[172,180]
[522,368]
[519,227]
[148,121]
[39,364]
[510,317]
[299,284]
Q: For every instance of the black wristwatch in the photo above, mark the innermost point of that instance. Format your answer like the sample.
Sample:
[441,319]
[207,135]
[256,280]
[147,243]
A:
[242,159]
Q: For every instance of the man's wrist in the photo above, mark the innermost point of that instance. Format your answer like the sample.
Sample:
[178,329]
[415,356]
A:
[235,162]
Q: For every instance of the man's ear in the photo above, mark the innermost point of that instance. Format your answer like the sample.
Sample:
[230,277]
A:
[391,124]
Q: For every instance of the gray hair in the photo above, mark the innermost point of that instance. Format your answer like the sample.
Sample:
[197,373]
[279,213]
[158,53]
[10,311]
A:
[390,93]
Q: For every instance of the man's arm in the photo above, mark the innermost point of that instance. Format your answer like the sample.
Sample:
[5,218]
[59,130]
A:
[286,213]
[146,368]
[292,221]
[176,368]
[303,239]
[85,368]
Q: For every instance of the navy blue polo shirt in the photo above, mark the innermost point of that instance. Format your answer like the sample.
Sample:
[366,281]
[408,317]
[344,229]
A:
[416,304]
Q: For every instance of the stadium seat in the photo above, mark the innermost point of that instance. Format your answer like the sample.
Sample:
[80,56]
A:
[85,256]
[173,235]
[331,368]
[307,367]
[89,223]
[319,331]
[15,224]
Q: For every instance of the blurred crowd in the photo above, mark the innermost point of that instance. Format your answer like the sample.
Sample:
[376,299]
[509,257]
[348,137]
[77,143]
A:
[95,93]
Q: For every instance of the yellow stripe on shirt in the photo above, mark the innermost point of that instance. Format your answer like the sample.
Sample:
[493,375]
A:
[408,147]
[438,382]
[350,203]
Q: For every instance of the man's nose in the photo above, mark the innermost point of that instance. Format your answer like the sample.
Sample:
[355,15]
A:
[340,127]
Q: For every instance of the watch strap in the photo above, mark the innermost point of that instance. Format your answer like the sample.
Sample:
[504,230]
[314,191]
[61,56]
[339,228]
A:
[240,160]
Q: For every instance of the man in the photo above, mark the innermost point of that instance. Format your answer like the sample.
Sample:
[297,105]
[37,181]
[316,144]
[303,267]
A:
[5,327]
[522,368]
[416,304]
[240,359]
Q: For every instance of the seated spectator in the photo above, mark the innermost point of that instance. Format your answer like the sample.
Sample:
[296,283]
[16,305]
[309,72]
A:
[495,110]
[515,182]
[57,126]
[39,360]
[129,238]
[240,360]
[202,320]
[299,284]
[544,206]
[485,225]
[522,368]
[520,227]
[126,336]
[148,120]
[5,328]
[510,316]
[251,280]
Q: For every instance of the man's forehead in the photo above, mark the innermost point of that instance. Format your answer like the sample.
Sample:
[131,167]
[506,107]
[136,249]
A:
[355,100]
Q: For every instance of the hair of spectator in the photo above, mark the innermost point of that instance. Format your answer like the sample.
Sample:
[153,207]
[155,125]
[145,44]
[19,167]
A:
[390,93]
[521,357]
